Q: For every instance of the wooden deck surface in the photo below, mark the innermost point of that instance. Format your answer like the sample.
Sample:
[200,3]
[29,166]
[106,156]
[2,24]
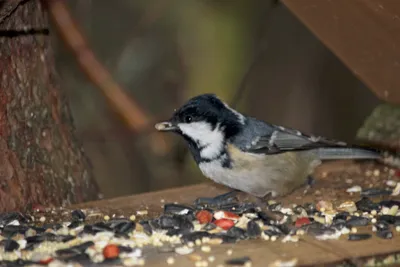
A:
[308,251]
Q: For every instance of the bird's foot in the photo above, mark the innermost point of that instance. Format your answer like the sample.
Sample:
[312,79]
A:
[217,201]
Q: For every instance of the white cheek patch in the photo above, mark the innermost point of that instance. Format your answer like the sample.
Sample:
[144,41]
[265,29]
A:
[240,117]
[210,141]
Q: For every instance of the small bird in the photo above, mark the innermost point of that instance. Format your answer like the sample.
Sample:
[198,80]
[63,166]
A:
[250,155]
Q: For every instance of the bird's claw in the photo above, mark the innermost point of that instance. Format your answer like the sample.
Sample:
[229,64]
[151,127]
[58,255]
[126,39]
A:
[217,201]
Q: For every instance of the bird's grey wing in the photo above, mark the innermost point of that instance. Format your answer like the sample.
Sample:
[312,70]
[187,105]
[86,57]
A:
[281,139]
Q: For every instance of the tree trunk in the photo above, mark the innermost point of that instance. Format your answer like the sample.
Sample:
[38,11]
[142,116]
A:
[40,160]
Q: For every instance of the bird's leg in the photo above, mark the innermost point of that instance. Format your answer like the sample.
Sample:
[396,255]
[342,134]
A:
[219,200]
[309,183]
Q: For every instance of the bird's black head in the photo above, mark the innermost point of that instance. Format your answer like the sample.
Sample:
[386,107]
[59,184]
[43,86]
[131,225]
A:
[206,121]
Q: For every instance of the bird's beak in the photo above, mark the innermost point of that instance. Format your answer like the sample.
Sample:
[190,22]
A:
[166,126]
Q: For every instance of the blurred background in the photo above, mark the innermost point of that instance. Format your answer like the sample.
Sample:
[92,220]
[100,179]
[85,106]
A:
[254,54]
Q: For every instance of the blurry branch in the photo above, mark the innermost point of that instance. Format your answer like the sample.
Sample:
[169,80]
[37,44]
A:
[7,8]
[134,116]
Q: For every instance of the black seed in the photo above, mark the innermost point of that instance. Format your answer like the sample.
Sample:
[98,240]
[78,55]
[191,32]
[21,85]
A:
[272,233]
[155,224]
[385,234]
[81,258]
[124,227]
[10,230]
[49,237]
[113,222]
[366,204]
[357,237]
[35,239]
[185,224]
[88,229]
[66,238]
[168,222]
[9,245]
[339,225]
[7,217]
[18,262]
[172,232]
[101,227]
[238,261]
[172,208]
[75,249]
[125,249]
[191,237]
[318,229]
[74,224]
[41,238]
[390,219]
[284,228]
[38,230]
[237,233]
[382,226]
[78,215]
[209,226]
[375,192]
[341,216]
[357,221]
[146,227]
[253,229]
[389,203]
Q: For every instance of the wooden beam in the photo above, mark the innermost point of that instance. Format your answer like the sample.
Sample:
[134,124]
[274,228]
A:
[364,34]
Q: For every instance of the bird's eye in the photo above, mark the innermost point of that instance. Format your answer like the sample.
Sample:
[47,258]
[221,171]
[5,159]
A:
[188,118]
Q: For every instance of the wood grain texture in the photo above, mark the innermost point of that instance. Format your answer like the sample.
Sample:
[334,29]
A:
[364,34]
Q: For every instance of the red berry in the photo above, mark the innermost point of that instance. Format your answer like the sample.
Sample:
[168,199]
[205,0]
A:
[225,224]
[302,221]
[204,216]
[111,251]
[46,260]
[226,215]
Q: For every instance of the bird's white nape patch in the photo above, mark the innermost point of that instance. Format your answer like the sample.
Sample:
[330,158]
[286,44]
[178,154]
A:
[210,141]
[240,117]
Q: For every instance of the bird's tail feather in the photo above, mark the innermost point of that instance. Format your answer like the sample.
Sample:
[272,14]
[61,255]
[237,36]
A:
[348,153]
[385,157]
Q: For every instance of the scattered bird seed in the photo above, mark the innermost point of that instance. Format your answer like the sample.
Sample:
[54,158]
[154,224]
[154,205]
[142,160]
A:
[238,261]
[206,249]
[170,260]
[354,189]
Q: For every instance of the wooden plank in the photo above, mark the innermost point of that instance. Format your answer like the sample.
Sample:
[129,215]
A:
[308,250]
[364,34]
